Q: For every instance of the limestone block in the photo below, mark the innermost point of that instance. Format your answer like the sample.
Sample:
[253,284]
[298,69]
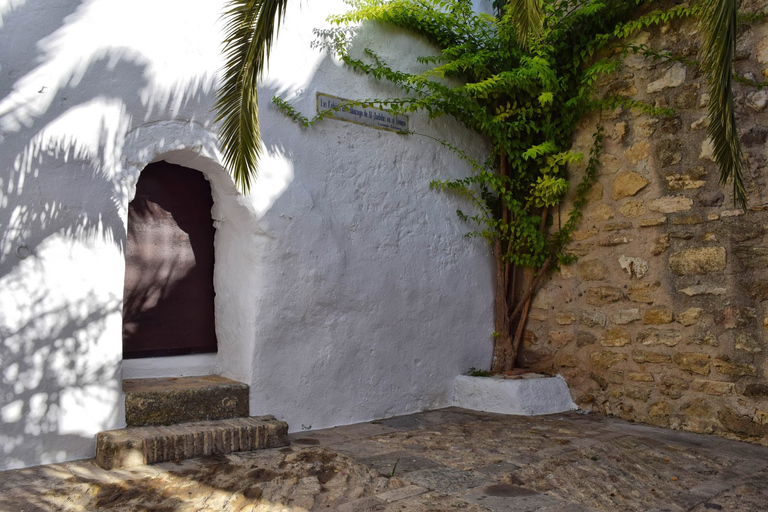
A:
[607,358]
[627,183]
[565,318]
[674,387]
[635,267]
[746,342]
[595,193]
[616,337]
[668,153]
[566,361]
[640,376]
[637,152]
[642,356]
[636,393]
[700,123]
[614,241]
[672,77]
[560,338]
[617,225]
[601,295]
[698,408]
[762,51]
[626,316]
[687,220]
[644,293]
[601,212]
[592,270]
[653,222]
[658,315]
[690,316]
[752,256]
[659,410]
[684,181]
[593,318]
[652,337]
[697,261]
[713,387]
[619,131]
[703,289]
[670,204]
[632,208]
[583,234]
[660,245]
[585,338]
[707,150]
[693,362]
[758,100]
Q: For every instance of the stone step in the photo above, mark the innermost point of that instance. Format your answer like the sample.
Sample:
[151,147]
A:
[136,446]
[165,401]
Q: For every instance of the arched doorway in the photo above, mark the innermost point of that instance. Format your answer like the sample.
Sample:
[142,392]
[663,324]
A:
[168,298]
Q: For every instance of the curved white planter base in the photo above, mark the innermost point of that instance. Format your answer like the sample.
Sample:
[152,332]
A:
[523,396]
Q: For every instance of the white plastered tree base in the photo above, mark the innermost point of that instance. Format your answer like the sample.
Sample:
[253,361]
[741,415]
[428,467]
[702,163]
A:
[528,396]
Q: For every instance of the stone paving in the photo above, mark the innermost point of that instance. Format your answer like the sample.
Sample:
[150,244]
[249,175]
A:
[445,460]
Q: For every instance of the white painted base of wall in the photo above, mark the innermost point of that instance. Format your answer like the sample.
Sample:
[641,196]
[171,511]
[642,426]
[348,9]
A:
[527,396]
[177,366]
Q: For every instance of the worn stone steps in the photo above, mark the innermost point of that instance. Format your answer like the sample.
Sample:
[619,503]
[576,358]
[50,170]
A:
[166,401]
[136,446]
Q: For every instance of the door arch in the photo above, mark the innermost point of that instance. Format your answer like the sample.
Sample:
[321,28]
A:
[168,306]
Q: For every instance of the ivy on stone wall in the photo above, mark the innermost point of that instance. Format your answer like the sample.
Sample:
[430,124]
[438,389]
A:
[525,95]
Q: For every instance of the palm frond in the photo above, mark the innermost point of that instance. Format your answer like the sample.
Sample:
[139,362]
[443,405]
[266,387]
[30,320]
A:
[527,16]
[250,27]
[718,23]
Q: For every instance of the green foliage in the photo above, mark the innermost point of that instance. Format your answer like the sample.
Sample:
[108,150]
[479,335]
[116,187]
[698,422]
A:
[526,76]
[250,28]
[474,372]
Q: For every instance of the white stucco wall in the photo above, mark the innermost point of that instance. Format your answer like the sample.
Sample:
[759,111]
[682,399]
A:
[345,290]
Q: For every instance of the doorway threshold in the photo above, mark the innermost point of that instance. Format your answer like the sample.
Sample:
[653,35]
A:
[194,365]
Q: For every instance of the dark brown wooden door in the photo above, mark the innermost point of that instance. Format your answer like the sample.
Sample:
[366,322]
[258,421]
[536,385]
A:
[168,301]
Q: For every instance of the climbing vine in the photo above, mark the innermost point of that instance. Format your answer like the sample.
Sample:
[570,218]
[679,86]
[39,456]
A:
[524,93]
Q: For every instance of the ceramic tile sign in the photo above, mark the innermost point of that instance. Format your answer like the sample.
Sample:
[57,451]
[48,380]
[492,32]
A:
[368,116]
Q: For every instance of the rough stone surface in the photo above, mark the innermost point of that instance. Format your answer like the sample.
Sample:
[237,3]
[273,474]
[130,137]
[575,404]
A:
[602,295]
[690,316]
[670,204]
[672,77]
[135,446]
[593,270]
[644,293]
[164,401]
[658,315]
[616,337]
[592,318]
[696,261]
[693,362]
[626,184]
[444,460]
[626,316]
[635,267]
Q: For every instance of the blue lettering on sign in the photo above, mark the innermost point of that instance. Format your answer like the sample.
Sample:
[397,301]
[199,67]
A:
[346,110]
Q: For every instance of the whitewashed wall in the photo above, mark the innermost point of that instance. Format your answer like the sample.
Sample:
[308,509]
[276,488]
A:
[345,290]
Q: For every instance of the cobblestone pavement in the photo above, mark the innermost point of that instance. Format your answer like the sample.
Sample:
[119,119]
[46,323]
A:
[445,460]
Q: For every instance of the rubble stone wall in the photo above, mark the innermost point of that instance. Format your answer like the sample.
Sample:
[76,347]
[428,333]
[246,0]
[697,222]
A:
[664,318]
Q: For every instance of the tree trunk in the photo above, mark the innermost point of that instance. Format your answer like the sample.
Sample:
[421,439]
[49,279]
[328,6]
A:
[502,341]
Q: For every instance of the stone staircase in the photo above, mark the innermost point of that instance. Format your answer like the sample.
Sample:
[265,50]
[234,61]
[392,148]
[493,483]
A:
[180,418]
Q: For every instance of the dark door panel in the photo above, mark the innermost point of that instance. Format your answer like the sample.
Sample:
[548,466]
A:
[168,301]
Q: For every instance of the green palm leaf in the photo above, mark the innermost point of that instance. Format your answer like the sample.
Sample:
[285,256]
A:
[527,17]
[718,21]
[250,26]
